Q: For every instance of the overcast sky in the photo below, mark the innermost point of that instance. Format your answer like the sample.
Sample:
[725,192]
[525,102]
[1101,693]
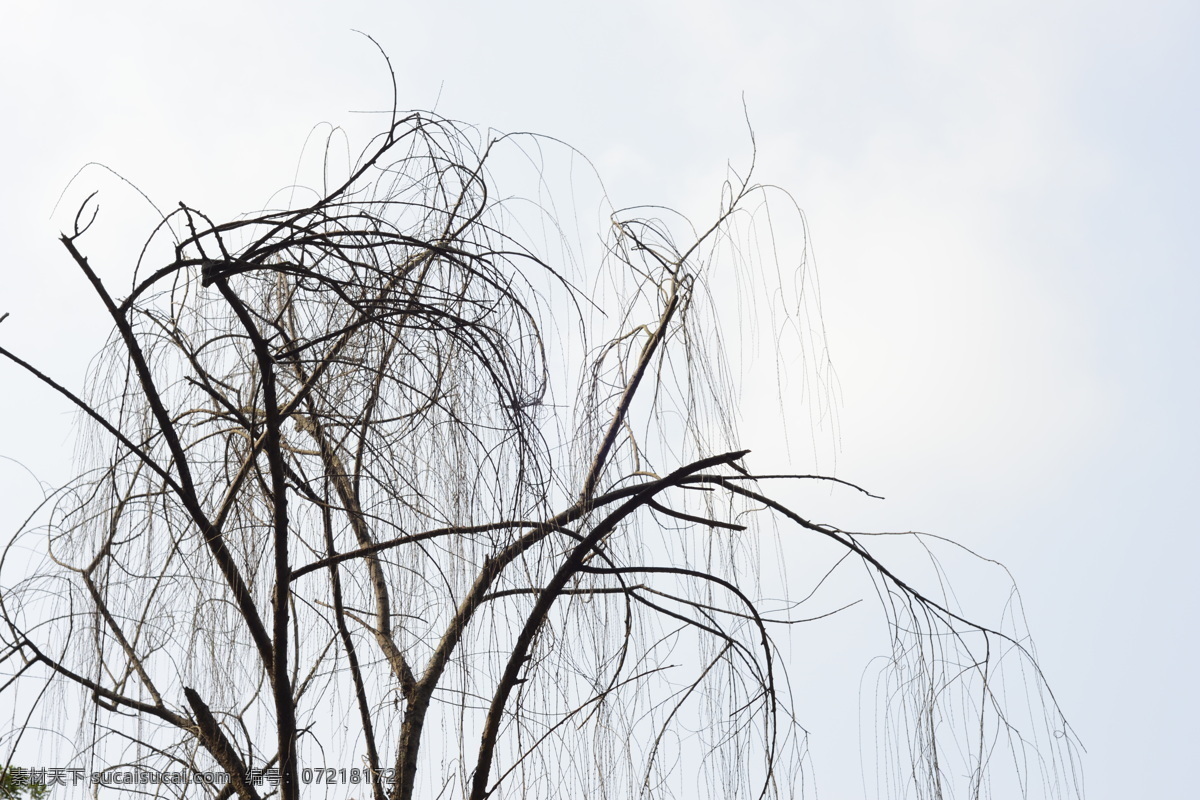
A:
[1001,199]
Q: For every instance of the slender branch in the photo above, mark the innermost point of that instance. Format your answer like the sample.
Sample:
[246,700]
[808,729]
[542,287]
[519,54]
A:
[360,690]
[618,419]
[285,708]
[546,599]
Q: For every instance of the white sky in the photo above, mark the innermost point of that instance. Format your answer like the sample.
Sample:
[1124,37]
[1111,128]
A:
[1002,204]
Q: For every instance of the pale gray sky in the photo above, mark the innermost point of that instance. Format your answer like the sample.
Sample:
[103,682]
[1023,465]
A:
[1001,198]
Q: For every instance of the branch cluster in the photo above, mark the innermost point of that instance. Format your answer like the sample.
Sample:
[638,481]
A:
[335,514]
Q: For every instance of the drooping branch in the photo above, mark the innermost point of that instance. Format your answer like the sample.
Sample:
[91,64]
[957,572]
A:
[546,599]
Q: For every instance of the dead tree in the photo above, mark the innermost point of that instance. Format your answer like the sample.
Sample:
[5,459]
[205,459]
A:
[377,487]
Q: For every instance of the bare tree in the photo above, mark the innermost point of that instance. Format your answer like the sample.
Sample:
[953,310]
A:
[382,483]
